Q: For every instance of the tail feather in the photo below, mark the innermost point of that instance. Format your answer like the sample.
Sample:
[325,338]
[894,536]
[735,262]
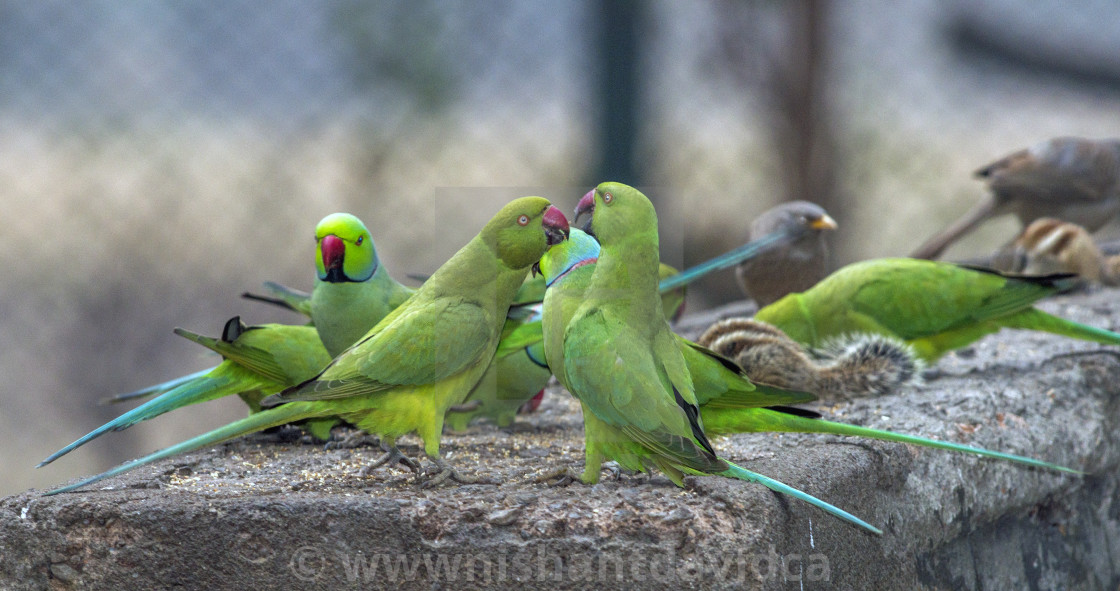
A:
[275,417]
[156,389]
[198,390]
[1035,319]
[736,471]
[727,260]
[778,421]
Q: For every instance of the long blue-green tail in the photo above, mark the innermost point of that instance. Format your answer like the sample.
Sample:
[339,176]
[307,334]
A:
[736,471]
[779,421]
[231,380]
[1035,319]
[727,260]
[274,417]
[156,389]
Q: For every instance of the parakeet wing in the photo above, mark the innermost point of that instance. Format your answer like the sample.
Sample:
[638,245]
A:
[411,349]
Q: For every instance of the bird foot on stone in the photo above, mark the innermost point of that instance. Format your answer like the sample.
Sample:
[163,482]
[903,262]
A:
[557,477]
[391,456]
[614,469]
[444,472]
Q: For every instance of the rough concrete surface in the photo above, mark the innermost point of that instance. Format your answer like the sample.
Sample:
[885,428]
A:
[267,513]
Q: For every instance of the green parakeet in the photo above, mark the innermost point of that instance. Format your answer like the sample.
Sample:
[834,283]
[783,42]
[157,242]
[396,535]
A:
[519,370]
[257,361]
[352,293]
[568,269]
[353,290]
[933,306]
[624,364]
[727,400]
[424,356]
[513,377]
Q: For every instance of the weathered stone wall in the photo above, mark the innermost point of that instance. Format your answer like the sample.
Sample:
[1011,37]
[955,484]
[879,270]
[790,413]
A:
[265,513]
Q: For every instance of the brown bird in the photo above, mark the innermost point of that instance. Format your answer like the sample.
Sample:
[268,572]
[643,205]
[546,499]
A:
[1048,246]
[1073,179]
[795,266]
[855,366]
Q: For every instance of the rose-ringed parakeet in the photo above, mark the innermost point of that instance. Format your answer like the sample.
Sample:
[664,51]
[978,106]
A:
[257,361]
[728,401]
[624,364]
[933,306]
[424,356]
[353,290]
[352,293]
[520,370]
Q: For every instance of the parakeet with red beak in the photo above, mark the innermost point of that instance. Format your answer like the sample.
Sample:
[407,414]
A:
[422,358]
[625,365]
[353,292]
[763,372]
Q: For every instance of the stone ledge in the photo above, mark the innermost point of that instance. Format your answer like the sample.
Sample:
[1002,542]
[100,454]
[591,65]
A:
[262,513]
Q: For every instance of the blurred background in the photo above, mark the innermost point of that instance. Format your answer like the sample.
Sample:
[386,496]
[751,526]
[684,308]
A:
[158,159]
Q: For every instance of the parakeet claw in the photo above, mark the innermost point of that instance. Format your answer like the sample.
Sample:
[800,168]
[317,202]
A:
[446,472]
[557,477]
[392,456]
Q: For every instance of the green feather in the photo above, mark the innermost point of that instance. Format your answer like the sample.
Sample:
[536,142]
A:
[933,306]
[258,361]
[260,421]
[422,357]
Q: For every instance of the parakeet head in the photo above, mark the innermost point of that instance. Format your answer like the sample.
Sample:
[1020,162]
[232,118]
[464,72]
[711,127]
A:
[523,230]
[344,251]
[579,249]
[617,211]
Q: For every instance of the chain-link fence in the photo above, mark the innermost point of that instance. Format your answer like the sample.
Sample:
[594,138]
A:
[161,158]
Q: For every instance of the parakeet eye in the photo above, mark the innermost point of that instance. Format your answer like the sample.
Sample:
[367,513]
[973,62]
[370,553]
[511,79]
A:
[607,197]
[522,220]
[358,242]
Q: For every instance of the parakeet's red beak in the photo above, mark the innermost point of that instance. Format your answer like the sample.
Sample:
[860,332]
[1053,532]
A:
[555,225]
[586,205]
[334,251]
